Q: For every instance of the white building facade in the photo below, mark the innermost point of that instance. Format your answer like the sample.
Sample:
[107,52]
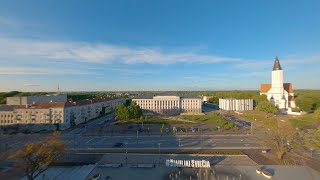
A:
[278,93]
[169,105]
[231,104]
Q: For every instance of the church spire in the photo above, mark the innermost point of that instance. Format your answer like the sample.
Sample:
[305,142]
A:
[276,65]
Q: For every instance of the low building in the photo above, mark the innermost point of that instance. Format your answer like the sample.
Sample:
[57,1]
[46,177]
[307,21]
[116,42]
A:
[206,98]
[65,114]
[23,100]
[168,104]
[231,104]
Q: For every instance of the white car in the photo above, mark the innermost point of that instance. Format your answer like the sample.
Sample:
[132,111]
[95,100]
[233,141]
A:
[167,130]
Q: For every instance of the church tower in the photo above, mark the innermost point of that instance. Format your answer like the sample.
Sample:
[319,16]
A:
[277,85]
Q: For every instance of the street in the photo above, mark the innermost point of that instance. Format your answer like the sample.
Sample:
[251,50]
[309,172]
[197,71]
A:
[162,142]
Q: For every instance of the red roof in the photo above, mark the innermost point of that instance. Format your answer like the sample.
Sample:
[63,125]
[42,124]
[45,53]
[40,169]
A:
[288,87]
[264,88]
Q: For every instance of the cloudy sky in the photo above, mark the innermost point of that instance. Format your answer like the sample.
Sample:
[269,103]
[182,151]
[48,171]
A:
[157,45]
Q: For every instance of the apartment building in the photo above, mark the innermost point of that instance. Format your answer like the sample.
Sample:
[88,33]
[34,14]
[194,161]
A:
[64,113]
[168,104]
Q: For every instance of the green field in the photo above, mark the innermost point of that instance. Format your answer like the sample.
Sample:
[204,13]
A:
[214,119]
[261,118]
[303,121]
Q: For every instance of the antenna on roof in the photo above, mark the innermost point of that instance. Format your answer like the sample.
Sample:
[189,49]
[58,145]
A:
[58,90]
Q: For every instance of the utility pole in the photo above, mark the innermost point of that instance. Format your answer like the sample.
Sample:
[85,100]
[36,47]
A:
[125,143]
[159,153]
[137,136]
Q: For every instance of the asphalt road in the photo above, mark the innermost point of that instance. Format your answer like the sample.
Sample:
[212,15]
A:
[166,142]
[75,140]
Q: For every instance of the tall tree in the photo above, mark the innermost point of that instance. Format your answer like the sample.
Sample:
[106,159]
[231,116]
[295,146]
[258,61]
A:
[134,111]
[35,158]
[122,112]
[280,139]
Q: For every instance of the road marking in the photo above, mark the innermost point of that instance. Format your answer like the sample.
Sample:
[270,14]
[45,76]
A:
[90,140]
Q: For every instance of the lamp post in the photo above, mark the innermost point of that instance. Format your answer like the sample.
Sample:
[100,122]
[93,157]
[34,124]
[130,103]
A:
[125,143]
[159,153]
[137,136]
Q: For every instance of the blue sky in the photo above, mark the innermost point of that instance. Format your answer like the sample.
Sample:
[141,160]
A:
[157,45]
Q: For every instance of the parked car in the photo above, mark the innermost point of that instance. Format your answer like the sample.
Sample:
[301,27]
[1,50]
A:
[96,176]
[167,130]
[118,144]
[130,127]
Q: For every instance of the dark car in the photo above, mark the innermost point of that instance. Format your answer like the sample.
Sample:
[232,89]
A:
[118,144]
[130,127]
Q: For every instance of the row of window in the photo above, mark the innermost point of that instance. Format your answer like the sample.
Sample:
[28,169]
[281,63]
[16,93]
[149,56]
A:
[6,121]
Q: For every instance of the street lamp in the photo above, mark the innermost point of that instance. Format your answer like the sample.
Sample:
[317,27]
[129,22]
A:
[125,143]
[137,135]
[159,153]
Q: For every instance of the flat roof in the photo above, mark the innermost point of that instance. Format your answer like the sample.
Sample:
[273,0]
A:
[7,107]
[150,96]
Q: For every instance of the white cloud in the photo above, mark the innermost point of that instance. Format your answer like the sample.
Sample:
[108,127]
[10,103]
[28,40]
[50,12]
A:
[38,71]
[31,85]
[98,53]
[8,22]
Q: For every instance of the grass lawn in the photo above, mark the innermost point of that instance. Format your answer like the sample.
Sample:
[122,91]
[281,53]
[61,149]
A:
[304,120]
[261,118]
[213,119]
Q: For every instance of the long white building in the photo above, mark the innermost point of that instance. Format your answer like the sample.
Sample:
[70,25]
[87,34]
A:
[168,104]
[65,114]
[231,104]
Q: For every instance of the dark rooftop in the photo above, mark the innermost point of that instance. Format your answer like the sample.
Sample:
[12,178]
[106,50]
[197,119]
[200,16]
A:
[276,65]
[7,107]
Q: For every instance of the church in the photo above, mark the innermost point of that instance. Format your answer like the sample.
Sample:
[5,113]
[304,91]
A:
[278,93]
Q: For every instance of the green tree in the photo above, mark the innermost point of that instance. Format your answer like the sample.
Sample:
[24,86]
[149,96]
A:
[259,98]
[122,112]
[134,111]
[306,103]
[317,113]
[280,139]
[35,158]
[266,106]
